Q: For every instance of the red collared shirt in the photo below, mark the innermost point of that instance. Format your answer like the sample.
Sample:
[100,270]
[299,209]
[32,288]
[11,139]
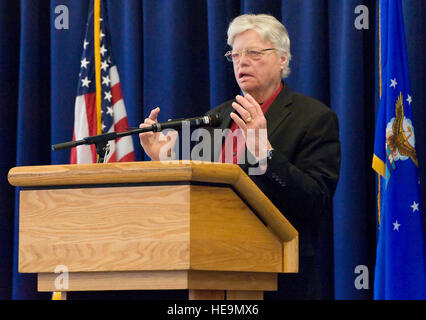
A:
[238,148]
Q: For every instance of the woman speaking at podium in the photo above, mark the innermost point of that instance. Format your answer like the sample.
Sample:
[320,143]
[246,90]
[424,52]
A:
[300,155]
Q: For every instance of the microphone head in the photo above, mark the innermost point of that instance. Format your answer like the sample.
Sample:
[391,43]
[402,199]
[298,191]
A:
[215,120]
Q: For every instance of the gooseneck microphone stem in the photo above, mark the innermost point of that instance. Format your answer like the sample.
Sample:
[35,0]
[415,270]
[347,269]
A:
[98,139]
[101,140]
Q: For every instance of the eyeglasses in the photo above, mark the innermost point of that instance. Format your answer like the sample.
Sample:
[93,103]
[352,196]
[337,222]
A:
[251,53]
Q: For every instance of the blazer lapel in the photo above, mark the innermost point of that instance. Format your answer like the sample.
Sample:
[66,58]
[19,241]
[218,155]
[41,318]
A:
[279,109]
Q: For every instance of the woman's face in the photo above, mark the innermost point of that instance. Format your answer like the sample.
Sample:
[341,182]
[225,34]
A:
[257,77]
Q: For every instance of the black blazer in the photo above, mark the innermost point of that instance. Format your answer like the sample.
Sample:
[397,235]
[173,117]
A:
[302,175]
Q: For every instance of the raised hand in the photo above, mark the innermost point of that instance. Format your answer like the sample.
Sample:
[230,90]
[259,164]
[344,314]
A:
[155,144]
[251,120]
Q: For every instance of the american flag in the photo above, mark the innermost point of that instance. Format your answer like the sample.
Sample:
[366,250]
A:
[113,114]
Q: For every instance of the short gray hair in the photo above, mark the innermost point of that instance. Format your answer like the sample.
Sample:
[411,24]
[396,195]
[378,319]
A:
[269,28]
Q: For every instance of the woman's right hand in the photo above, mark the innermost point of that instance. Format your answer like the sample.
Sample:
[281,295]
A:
[155,144]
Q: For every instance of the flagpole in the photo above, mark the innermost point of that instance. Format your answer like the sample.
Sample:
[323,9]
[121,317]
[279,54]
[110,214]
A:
[97,54]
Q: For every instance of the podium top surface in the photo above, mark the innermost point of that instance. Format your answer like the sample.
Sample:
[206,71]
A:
[156,171]
[123,172]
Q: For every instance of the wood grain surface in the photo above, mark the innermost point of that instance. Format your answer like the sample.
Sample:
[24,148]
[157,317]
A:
[143,228]
[159,280]
[99,229]
[226,235]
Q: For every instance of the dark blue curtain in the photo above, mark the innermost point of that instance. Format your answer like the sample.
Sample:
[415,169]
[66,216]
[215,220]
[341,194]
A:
[169,53]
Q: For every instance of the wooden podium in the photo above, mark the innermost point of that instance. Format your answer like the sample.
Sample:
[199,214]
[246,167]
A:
[200,226]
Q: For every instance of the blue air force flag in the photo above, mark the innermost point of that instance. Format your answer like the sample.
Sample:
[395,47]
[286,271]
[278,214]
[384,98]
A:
[400,261]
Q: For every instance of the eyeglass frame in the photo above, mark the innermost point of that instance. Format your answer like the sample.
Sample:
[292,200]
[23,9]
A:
[228,54]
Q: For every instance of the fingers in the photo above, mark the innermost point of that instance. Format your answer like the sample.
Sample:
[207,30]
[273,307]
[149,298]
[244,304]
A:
[145,134]
[256,105]
[244,114]
[154,114]
[152,118]
[241,124]
[250,105]
[146,124]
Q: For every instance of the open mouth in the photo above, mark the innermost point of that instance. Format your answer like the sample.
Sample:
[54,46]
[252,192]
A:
[242,75]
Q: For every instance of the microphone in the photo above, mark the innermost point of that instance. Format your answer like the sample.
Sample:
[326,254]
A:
[204,121]
[213,120]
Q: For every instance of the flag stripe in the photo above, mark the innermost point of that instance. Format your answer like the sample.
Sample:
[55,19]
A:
[121,125]
[113,73]
[84,116]
[90,103]
[116,93]
[123,147]
[128,157]
[119,110]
